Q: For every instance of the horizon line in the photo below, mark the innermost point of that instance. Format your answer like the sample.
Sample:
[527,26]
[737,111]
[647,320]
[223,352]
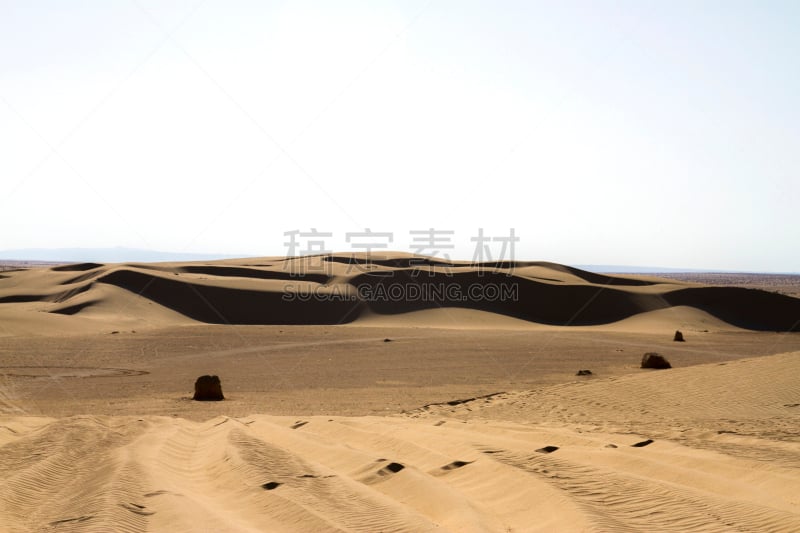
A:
[45,256]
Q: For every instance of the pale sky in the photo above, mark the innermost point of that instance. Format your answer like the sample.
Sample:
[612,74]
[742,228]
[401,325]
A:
[629,133]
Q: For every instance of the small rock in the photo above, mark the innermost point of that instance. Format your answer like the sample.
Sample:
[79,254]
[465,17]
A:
[547,449]
[654,360]
[583,373]
[208,389]
[678,336]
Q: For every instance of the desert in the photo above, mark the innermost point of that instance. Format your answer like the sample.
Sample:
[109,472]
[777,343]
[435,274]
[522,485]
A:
[406,416]
[399,266]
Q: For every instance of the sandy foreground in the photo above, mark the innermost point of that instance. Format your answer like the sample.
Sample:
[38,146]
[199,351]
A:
[447,418]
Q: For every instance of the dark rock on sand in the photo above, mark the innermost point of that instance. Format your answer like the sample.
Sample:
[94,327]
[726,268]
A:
[654,360]
[208,389]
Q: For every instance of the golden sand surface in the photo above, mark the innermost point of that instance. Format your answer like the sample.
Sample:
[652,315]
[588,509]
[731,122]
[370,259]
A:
[364,416]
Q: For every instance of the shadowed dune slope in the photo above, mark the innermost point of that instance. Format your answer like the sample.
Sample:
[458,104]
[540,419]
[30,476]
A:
[341,288]
[745,308]
[76,267]
[513,296]
[255,273]
[222,305]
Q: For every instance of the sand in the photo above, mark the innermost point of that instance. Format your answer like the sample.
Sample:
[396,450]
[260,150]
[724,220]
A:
[356,415]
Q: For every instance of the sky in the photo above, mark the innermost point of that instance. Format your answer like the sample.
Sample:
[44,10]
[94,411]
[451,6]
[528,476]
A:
[657,133]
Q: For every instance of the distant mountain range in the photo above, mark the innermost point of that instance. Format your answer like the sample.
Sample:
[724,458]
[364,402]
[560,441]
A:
[135,255]
[106,255]
[627,269]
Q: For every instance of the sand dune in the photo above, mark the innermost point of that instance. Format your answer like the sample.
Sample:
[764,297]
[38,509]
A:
[472,417]
[606,455]
[342,288]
